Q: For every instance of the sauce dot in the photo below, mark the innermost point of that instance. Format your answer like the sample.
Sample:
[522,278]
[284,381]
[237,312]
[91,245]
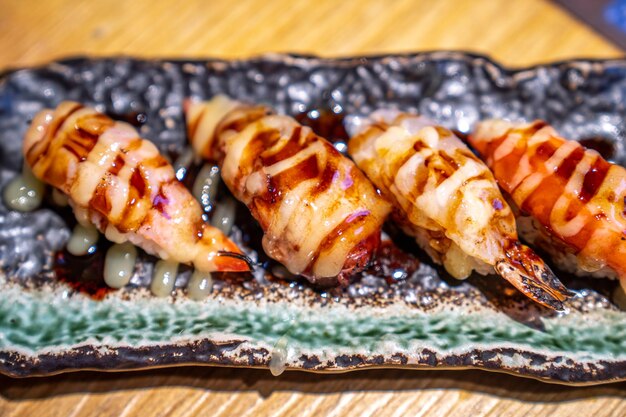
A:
[83,240]
[119,264]
[200,285]
[24,193]
[163,278]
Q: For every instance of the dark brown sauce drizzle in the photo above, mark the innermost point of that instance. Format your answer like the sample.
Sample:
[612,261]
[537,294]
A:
[568,165]
[593,180]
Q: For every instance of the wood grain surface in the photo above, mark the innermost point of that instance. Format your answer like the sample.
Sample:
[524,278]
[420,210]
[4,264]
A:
[515,32]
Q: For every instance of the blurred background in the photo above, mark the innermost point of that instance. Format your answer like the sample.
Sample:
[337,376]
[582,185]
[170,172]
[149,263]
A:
[514,32]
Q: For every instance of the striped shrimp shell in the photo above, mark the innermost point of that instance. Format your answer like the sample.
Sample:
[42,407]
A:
[121,184]
[572,201]
[321,217]
[448,200]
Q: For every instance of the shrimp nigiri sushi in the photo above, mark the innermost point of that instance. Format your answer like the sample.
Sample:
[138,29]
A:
[448,200]
[572,201]
[122,185]
[320,215]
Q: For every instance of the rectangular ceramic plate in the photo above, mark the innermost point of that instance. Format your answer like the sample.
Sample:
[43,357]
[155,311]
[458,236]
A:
[422,320]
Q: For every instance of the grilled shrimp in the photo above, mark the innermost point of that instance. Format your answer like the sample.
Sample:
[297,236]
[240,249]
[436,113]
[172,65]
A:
[321,217]
[572,201]
[448,200]
[122,185]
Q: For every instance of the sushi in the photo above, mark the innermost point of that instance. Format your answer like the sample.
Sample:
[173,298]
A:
[446,198]
[123,186]
[572,202]
[320,215]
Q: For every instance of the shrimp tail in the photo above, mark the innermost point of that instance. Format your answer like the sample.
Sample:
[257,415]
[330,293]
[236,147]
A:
[233,261]
[527,272]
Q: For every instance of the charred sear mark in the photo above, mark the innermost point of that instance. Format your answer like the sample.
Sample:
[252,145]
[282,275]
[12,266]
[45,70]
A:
[250,160]
[327,176]
[132,146]
[134,213]
[419,145]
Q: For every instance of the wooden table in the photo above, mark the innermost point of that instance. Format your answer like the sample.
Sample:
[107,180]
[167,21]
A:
[515,32]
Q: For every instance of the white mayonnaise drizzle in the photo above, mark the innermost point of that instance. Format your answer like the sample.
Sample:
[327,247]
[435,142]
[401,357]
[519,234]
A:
[205,186]
[119,264]
[24,192]
[182,163]
[200,285]
[163,278]
[83,240]
[279,356]
[224,215]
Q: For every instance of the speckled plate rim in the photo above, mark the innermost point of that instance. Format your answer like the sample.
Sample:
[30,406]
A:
[488,367]
[19,360]
[304,60]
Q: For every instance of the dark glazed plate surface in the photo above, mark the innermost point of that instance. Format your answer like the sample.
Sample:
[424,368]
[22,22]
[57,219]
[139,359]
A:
[51,323]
